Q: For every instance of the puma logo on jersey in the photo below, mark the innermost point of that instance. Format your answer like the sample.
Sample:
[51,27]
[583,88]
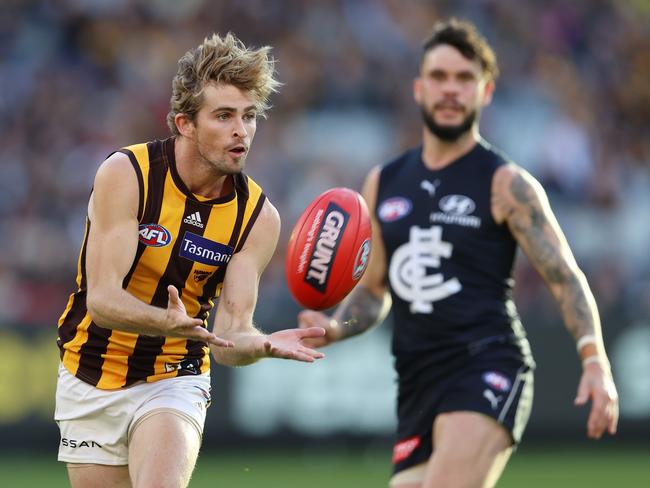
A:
[492,398]
[429,186]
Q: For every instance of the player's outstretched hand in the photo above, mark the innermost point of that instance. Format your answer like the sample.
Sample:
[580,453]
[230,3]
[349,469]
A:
[598,386]
[179,324]
[290,344]
[312,318]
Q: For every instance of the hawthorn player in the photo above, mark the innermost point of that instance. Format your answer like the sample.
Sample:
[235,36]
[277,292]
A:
[171,224]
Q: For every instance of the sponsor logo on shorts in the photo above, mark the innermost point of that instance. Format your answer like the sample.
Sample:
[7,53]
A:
[394,209]
[74,443]
[153,235]
[361,261]
[206,396]
[201,250]
[497,381]
[403,449]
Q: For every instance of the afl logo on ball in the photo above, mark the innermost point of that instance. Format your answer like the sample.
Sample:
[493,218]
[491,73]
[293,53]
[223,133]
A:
[154,235]
[361,261]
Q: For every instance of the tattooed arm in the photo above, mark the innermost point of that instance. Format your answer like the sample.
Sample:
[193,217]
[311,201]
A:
[369,302]
[520,201]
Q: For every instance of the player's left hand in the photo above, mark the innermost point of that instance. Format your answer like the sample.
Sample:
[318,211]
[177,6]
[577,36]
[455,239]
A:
[598,386]
[288,344]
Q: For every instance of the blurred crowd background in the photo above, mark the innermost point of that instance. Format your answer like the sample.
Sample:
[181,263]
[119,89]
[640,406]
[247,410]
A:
[81,78]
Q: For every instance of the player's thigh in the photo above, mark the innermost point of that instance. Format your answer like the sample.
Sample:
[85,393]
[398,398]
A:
[98,476]
[163,449]
[470,450]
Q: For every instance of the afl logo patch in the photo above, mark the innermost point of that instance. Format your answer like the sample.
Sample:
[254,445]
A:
[361,261]
[394,209]
[153,235]
[497,381]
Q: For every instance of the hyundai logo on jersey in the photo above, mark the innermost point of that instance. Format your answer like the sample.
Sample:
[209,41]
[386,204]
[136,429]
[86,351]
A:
[201,250]
[153,235]
[457,205]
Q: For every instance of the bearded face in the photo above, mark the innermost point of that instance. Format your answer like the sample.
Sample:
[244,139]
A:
[451,91]
[447,132]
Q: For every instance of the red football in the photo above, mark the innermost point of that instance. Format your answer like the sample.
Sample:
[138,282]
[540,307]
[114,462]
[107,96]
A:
[328,249]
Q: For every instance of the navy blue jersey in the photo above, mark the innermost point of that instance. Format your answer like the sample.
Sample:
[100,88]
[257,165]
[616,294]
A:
[449,264]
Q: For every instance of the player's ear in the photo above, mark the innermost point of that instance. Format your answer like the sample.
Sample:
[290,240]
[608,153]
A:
[184,124]
[488,91]
[417,90]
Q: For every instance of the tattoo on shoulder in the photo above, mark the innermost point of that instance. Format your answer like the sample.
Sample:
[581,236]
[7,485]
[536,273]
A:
[535,235]
[524,193]
[360,311]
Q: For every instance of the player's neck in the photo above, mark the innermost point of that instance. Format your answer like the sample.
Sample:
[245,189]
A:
[197,175]
[437,153]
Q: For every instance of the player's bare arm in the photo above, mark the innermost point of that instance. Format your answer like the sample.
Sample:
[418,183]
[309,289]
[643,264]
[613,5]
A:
[112,244]
[520,201]
[369,302]
[234,316]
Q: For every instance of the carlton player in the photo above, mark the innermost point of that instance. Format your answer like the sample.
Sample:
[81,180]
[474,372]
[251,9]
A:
[447,218]
[171,225]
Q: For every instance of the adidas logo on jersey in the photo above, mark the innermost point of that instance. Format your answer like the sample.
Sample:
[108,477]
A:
[194,219]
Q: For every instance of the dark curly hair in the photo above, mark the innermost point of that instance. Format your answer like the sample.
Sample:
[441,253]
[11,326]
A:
[464,36]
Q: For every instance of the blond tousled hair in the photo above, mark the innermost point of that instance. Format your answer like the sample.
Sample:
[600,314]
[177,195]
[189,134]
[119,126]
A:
[222,60]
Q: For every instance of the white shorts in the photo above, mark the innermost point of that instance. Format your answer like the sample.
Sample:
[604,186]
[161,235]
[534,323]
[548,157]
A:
[96,424]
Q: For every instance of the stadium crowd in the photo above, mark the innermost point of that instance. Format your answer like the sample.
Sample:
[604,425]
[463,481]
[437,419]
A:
[82,78]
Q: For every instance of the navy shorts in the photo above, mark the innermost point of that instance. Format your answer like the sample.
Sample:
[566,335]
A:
[499,386]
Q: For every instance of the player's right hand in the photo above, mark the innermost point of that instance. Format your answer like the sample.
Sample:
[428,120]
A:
[597,385]
[312,318]
[179,324]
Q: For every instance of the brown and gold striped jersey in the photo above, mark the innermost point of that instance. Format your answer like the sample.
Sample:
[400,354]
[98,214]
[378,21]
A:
[184,241]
